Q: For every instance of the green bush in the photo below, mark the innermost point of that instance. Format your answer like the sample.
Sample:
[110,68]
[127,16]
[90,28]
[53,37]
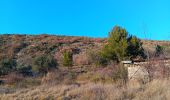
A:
[44,63]
[67,59]
[24,69]
[95,57]
[6,66]
[159,50]
[1,40]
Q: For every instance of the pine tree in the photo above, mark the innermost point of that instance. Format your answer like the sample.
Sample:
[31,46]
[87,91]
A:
[121,46]
[135,48]
[117,44]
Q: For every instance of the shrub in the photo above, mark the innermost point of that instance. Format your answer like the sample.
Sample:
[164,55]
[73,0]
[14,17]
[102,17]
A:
[81,59]
[1,40]
[44,63]
[25,70]
[27,82]
[120,73]
[157,69]
[70,78]
[6,66]
[19,46]
[159,50]
[95,57]
[67,59]
[24,65]
[54,76]
[13,77]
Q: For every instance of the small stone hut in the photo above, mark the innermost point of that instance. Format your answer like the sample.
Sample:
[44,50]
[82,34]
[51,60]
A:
[136,71]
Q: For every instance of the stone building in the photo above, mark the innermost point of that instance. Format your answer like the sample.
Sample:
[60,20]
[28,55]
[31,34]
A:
[136,71]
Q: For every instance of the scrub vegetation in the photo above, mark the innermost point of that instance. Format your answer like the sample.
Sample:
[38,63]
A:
[51,67]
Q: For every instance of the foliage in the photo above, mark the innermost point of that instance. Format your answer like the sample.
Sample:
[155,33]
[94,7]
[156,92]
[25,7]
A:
[19,46]
[67,59]
[135,48]
[95,57]
[120,73]
[81,59]
[24,65]
[44,63]
[1,40]
[6,66]
[121,46]
[25,70]
[159,50]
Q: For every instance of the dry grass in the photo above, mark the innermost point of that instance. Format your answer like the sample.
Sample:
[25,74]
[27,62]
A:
[155,90]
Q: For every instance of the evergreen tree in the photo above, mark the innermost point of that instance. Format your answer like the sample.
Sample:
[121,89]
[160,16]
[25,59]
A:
[121,46]
[135,48]
[116,47]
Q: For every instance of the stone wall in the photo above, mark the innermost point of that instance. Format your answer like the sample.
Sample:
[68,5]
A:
[138,70]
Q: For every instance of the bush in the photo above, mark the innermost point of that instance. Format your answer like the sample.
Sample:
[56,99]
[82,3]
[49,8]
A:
[120,73]
[25,70]
[81,59]
[95,57]
[1,40]
[70,78]
[19,46]
[51,77]
[159,50]
[67,59]
[44,63]
[24,65]
[13,77]
[6,66]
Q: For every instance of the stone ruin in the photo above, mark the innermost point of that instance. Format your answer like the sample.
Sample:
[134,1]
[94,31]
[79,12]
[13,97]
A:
[136,71]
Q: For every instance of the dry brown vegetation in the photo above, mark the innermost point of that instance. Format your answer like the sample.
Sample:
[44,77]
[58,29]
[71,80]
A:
[155,90]
[85,80]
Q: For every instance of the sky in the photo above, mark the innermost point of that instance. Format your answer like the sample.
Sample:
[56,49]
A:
[147,19]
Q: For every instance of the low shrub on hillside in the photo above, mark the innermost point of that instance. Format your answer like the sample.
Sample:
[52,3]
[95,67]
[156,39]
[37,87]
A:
[6,66]
[13,77]
[67,59]
[157,69]
[110,74]
[81,59]
[53,76]
[95,57]
[120,73]
[43,63]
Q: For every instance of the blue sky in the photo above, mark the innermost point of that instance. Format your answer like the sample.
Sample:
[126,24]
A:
[94,18]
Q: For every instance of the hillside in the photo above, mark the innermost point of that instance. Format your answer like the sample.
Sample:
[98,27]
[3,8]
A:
[20,80]
[16,46]
[29,46]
